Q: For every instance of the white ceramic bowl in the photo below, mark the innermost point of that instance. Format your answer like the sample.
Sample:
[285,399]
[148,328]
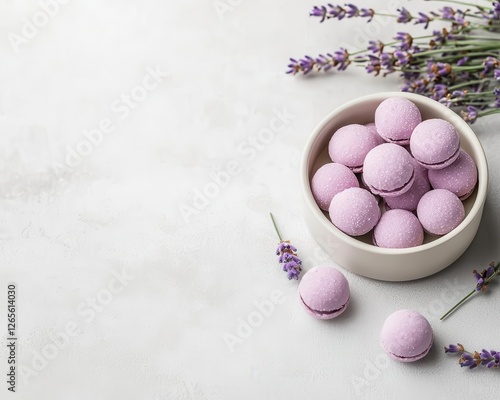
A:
[358,254]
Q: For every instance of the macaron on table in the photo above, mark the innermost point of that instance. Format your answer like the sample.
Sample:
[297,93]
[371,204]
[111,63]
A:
[435,142]
[324,292]
[406,336]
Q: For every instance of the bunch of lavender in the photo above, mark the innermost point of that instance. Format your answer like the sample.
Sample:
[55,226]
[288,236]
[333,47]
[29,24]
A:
[458,66]
[482,280]
[491,359]
[288,256]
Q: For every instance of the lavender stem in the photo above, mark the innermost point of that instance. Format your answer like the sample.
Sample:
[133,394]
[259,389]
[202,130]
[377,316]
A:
[275,227]
[458,305]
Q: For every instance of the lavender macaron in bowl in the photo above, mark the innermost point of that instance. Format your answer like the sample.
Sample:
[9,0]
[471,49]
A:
[358,253]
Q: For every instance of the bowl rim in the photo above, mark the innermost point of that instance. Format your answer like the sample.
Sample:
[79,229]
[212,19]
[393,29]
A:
[449,115]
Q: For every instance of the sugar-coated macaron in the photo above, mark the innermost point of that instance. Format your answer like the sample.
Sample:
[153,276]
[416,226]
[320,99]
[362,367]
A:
[398,229]
[388,170]
[440,211]
[459,178]
[406,336]
[435,143]
[354,211]
[350,144]
[324,292]
[330,179]
[395,119]
[409,200]
[373,129]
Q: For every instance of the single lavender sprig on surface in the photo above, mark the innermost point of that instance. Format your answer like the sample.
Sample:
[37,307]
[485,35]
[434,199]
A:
[287,255]
[471,360]
[482,281]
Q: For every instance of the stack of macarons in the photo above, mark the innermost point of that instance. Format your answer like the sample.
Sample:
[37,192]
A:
[416,166]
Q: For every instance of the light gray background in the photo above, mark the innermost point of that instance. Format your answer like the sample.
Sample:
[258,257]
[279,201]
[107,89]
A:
[187,283]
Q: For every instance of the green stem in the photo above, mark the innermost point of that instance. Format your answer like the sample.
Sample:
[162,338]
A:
[275,227]
[456,49]
[458,304]
[469,83]
[482,95]
[470,103]
[478,61]
[487,38]
[482,114]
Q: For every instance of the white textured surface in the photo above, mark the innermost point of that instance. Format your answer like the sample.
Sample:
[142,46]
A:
[66,234]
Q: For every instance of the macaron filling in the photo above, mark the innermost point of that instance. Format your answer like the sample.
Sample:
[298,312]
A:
[401,142]
[449,160]
[394,192]
[325,313]
[357,169]
[466,195]
[411,358]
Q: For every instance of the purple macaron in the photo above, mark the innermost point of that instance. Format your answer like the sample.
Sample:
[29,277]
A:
[388,170]
[440,211]
[324,292]
[459,178]
[406,336]
[409,200]
[350,144]
[330,179]
[398,229]
[354,211]
[435,143]
[395,119]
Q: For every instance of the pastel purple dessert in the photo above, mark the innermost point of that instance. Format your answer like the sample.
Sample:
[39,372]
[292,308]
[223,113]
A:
[388,170]
[409,200]
[440,211]
[435,143]
[350,144]
[395,119]
[406,336]
[459,178]
[324,292]
[398,229]
[329,180]
[354,211]
[373,129]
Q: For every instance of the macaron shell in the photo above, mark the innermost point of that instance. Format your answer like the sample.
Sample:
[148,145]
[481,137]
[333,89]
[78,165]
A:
[435,143]
[388,170]
[324,292]
[440,211]
[329,180]
[409,200]
[406,335]
[398,229]
[354,211]
[350,144]
[395,119]
[459,178]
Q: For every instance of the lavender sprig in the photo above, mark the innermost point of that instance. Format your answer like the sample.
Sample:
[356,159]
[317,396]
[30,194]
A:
[482,281]
[471,360]
[288,255]
[458,66]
